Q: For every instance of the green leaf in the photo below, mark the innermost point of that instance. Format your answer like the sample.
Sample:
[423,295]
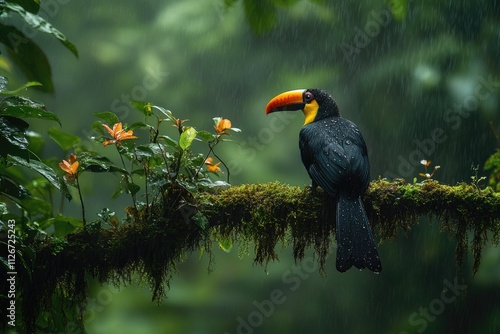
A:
[132,188]
[13,139]
[165,112]
[137,125]
[40,24]
[36,206]
[69,223]
[206,183]
[144,151]
[206,136]
[188,185]
[97,127]
[108,117]
[28,56]
[144,107]
[200,220]
[169,141]
[226,244]
[13,189]
[65,140]
[39,167]
[32,6]
[187,137]
[126,187]
[17,90]
[36,141]
[22,107]
[92,162]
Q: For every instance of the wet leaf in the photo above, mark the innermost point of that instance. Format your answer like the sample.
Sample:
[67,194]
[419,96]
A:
[32,6]
[108,117]
[206,136]
[137,125]
[144,151]
[13,189]
[40,24]
[28,57]
[144,107]
[126,187]
[39,167]
[13,139]
[169,141]
[22,107]
[17,90]
[92,162]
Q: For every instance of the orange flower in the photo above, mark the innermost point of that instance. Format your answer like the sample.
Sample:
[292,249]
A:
[70,167]
[118,134]
[223,125]
[214,168]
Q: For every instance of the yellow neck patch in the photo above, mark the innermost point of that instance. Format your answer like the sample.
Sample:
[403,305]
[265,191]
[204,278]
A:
[310,111]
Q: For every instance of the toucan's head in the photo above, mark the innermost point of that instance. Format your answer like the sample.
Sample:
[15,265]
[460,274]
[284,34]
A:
[316,104]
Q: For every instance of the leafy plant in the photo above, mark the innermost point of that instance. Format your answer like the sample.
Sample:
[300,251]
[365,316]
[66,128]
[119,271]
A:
[21,49]
[17,146]
[165,165]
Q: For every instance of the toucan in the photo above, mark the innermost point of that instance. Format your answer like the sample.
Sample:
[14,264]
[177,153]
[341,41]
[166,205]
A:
[335,156]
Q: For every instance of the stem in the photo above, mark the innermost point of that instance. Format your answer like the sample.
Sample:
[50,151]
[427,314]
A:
[163,155]
[211,150]
[81,200]
[201,166]
[227,169]
[127,177]
[146,185]
[178,166]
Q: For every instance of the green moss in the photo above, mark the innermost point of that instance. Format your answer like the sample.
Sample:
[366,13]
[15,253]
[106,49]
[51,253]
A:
[263,215]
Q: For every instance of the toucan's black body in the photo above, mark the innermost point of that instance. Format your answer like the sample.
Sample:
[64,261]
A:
[334,154]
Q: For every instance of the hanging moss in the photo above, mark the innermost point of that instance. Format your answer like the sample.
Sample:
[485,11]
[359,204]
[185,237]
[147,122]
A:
[265,215]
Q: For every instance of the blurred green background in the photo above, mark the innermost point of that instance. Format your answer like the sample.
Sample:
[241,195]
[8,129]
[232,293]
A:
[399,69]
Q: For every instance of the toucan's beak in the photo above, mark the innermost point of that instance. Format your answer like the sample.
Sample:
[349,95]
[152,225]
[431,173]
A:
[288,101]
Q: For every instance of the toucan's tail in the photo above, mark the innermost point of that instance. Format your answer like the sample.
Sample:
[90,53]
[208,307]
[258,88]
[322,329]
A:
[354,237]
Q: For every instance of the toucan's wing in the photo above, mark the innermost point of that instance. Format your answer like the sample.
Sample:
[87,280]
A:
[335,156]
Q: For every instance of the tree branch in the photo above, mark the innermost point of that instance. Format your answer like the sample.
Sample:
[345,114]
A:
[259,214]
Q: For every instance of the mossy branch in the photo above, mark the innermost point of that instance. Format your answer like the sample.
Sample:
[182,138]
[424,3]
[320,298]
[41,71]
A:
[259,214]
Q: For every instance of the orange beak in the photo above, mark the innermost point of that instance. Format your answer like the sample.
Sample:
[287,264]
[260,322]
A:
[287,101]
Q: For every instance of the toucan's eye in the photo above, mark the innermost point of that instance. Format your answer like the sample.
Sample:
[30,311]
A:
[308,97]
